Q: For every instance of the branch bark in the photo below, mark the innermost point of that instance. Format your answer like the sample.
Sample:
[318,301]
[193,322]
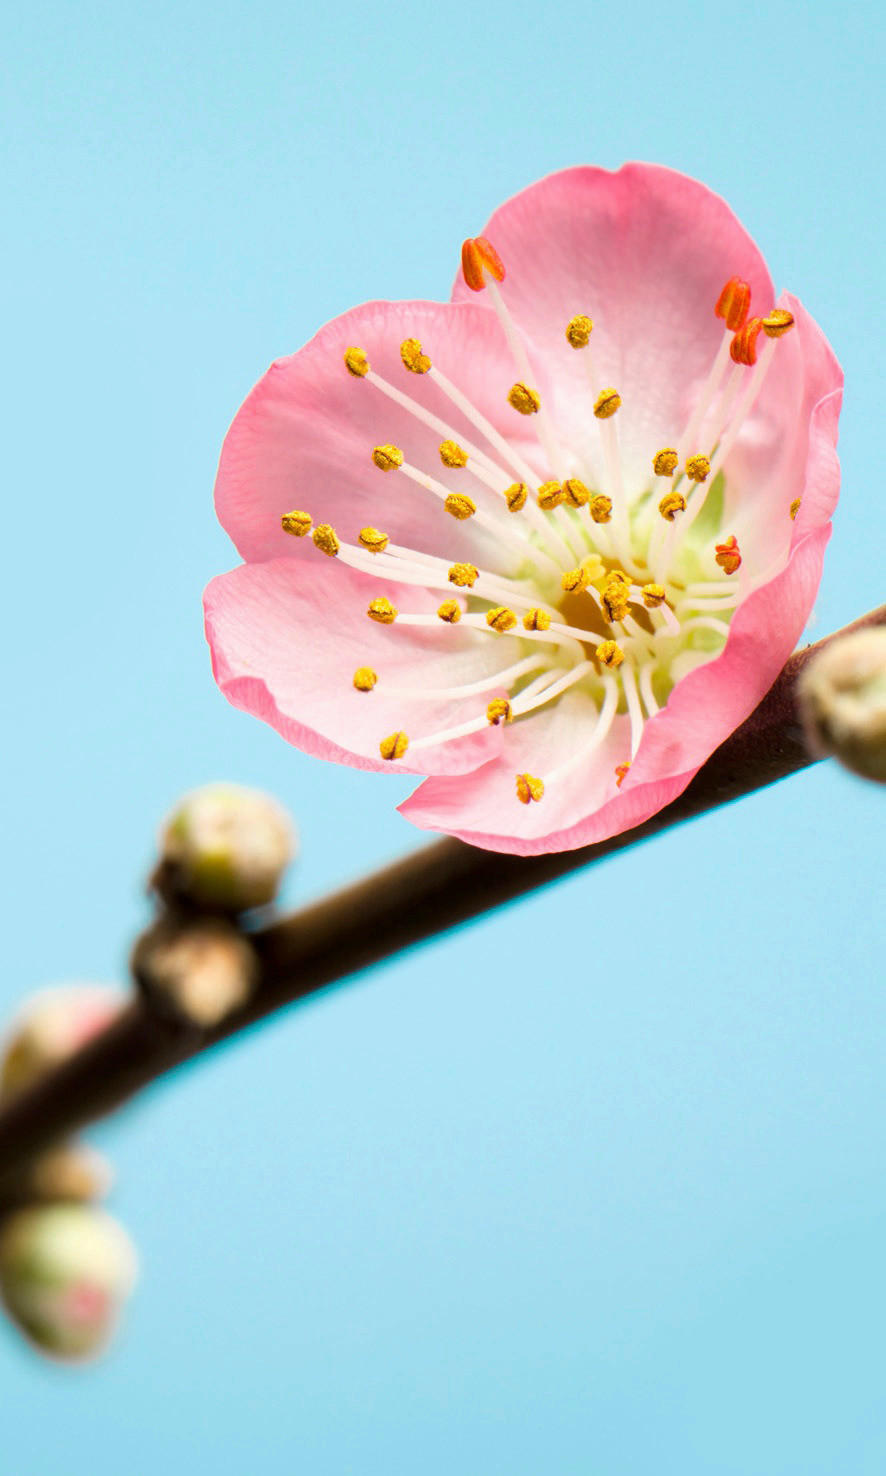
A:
[428,892]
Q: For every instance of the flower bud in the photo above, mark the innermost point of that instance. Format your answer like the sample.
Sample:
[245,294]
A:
[66,1271]
[51,1025]
[224,848]
[842,696]
[200,969]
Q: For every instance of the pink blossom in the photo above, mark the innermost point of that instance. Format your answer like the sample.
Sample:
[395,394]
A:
[595,487]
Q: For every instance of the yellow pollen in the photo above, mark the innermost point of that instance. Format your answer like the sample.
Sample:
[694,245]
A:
[579,330]
[459,506]
[387,458]
[698,468]
[618,576]
[620,772]
[529,788]
[382,610]
[664,462]
[610,654]
[728,555]
[606,403]
[413,358]
[296,523]
[795,507]
[777,323]
[325,538]
[593,567]
[575,492]
[653,596]
[499,710]
[374,540]
[615,601]
[464,575]
[365,678]
[394,746]
[671,504]
[356,362]
[575,580]
[550,495]
[450,611]
[451,454]
[515,496]
[500,618]
[601,509]
[524,399]
[536,619]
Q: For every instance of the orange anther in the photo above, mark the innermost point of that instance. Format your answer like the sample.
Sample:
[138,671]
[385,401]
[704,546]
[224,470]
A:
[743,349]
[734,303]
[620,771]
[728,554]
[479,256]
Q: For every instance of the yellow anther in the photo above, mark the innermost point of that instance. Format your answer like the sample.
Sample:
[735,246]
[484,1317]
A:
[450,611]
[550,495]
[356,362]
[324,537]
[394,746]
[413,358]
[579,330]
[451,454]
[382,610]
[618,576]
[593,567]
[653,596]
[296,523]
[620,772]
[515,496]
[499,710]
[374,540]
[365,678]
[664,462]
[601,509]
[615,600]
[575,580]
[606,403]
[500,618]
[575,492]
[795,507]
[524,399]
[459,506]
[610,654]
[728,555]
[529,788]
[536,619]
[464,575]
[671,504]
[387,458]
[698,468]
[777,323]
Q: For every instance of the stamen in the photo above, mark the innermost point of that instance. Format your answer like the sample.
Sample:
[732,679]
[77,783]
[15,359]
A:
[394,746]
[502,678]
[372,539]
[498,711]
[296,523]
[464,575]
[646,691]
[524,399]
[601,508]
[515,496]
[575,493]
[325,539]
[579,330]
[528,702]
[621,773]
[606,403]
[610,654]
[653,596]
[452,454]
[365,678]
[459,506]
[664,462]
[777,323]
[529,788]
[698,468]
[536,619]
[479,260]
[734,303]
[387,458]
[635,712]
[382,610]
[671,504]
[744,345]
[414,358]
[728,555]
[575,580]
[356,362]
[549,496]
[450,611]
[795,508]
[500,618]
[615,601]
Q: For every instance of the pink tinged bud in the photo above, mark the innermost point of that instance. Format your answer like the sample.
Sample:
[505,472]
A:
[479,258]
[224,848]
[842,695]
[50,1026]
[66,1271]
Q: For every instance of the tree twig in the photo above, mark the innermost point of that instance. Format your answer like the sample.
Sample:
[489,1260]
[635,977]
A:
[429,891]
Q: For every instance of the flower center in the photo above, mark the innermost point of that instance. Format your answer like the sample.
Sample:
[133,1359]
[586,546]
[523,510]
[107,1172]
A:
[603,580]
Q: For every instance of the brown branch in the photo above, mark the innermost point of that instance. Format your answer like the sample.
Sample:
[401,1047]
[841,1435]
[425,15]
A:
[428,892]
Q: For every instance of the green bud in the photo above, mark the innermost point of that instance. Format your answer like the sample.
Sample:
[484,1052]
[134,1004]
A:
[224,848]
[842,697]
[66,1271]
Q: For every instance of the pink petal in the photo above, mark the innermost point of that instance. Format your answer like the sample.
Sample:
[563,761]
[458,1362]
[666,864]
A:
[287,637]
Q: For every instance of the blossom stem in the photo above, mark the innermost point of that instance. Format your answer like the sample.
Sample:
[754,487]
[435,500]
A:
[428,892]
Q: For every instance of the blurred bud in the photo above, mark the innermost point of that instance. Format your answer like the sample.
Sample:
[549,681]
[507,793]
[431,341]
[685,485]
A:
[66,1271]
[199,968]
[52,1025]
[71,1172]
[842,696]
[225,848]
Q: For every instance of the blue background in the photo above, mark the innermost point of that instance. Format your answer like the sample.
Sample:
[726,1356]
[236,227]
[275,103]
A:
[594,1186]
